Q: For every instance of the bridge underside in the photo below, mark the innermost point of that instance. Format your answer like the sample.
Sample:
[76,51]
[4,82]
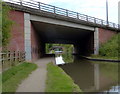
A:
[83,40]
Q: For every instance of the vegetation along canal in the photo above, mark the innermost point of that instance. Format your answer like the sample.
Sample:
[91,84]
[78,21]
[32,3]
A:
[90,76]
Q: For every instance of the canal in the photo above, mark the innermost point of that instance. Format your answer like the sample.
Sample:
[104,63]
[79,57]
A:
[90,76]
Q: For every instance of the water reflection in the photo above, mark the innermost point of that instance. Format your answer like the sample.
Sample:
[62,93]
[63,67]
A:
[93,76]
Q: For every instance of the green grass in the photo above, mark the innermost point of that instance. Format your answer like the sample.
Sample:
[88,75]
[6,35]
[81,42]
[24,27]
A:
[59,81]
[13,77]
[103,57]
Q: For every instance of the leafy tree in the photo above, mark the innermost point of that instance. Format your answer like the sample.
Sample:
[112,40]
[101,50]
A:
[48,47]
[0,23]
[6,24]
[111,48]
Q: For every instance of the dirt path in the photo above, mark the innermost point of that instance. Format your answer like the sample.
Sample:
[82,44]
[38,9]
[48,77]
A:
[37,79]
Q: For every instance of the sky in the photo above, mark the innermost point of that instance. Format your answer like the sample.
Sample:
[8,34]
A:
[95,8]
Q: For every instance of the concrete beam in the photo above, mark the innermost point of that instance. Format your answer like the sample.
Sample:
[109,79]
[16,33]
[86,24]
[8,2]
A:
[27,36]
[60,22]
[96,41]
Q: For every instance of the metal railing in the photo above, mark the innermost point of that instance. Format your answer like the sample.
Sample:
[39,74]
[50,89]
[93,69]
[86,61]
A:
[64,12]
[9,59]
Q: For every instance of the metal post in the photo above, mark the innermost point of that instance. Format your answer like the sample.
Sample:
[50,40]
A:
[102,22]
[39,5]
[107,12]
[86,18]
[66,12]
[54,9]
[77,15]
[95,20]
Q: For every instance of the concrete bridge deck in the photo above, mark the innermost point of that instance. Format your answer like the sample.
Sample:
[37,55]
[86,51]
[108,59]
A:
[46,10]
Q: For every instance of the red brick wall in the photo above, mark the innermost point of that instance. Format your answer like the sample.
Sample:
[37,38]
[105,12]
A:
[17,31]
[105,35]
[34,44]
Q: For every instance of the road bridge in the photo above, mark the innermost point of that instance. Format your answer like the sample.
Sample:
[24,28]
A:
[37,23]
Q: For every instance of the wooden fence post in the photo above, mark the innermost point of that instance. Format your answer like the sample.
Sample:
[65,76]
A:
[9,59]
[24,55]
[2,57]
[18,56]
[14,57]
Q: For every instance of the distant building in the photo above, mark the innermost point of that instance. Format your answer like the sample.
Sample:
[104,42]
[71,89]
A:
[119,12]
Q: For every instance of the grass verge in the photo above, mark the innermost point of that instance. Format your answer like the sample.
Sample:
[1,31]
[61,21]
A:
[12,77]
[59,81]
[103,57]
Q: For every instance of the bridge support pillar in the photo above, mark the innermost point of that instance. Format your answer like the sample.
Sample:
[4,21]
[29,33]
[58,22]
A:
[96,41]
[27,36]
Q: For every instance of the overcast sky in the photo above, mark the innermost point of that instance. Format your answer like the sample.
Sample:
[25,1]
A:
[95,8]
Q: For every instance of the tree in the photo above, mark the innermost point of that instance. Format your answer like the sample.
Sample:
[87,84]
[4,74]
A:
[0,23]
[6,24]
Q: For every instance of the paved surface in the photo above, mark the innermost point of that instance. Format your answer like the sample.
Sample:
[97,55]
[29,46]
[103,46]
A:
[37,79]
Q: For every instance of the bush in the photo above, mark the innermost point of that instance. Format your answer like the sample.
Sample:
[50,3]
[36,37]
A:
[111,48]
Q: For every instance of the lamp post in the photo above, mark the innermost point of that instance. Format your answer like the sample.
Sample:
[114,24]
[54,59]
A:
[107,12]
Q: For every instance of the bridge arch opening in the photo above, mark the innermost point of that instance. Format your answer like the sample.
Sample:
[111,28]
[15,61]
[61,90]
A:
[46,33]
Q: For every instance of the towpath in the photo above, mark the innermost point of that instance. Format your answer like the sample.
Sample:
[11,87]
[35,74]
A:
[36,81]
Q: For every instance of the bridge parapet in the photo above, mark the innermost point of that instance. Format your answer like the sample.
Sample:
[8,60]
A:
[60,12]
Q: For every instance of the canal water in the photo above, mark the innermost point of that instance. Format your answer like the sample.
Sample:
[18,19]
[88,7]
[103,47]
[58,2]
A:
[90,76]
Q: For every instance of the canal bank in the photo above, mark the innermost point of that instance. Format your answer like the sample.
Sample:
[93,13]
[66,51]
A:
[102,59]
[59,81]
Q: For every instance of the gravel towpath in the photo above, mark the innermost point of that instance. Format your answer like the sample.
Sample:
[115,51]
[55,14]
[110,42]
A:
[36,81]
